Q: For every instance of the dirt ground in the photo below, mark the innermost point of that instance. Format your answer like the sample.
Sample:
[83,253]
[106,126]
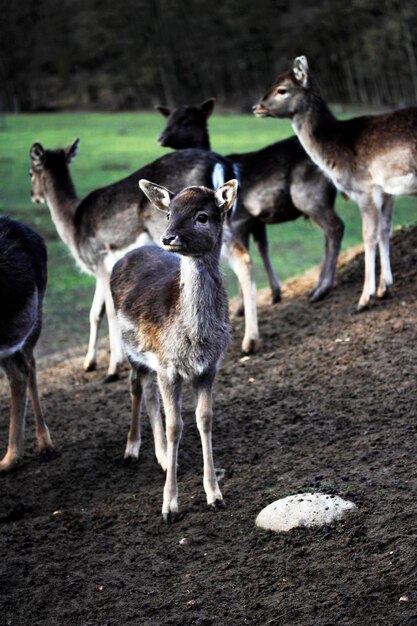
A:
[328,404]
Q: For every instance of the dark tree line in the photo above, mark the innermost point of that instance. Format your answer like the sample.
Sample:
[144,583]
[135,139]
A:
[105,54]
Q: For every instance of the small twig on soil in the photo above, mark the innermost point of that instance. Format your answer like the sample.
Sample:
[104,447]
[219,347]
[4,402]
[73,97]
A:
[278,617]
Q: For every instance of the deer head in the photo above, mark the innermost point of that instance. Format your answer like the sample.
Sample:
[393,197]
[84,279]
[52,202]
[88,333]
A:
[48,160]
[195,215]
[288,95]
[186,125]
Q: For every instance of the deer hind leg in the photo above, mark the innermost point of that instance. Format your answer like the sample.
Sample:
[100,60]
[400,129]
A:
[115,338]
[204,415]
[371,214]
[239,260]
[96,315]
[316,200]
[261,239]
[241,233]
[143,384]
[333,229]
[46,447]
[153,409]
[17,372]
[385,280]
[171,398]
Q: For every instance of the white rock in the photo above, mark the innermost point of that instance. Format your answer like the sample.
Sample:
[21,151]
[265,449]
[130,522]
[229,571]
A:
[304,509]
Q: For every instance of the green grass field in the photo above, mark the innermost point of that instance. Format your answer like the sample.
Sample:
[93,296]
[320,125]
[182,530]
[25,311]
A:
[112,146]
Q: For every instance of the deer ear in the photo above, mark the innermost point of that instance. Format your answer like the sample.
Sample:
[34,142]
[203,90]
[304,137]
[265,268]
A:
[71,151]
[207,106]
[165,111]
[159,196]
[37,155]
[300,70]
[226,195]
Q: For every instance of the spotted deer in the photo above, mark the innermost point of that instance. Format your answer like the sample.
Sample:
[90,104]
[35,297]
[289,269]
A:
[278,184]
[370,158]
[112,220]
[173,314]
[23,277]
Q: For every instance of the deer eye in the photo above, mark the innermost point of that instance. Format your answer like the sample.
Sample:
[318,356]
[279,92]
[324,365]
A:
[281,91]
[168,216]
[202,218]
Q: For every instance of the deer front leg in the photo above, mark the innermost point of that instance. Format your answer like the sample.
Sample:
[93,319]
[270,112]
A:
[204,416]
[171,398]
[96,315]
[385,280]
[46,447]
[370,229]
[239,260]
[17,374]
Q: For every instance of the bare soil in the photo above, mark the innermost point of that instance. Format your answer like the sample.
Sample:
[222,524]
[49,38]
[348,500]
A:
[328,404]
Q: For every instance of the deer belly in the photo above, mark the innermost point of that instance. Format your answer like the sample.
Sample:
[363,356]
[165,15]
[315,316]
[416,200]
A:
[405,185]
[271,205]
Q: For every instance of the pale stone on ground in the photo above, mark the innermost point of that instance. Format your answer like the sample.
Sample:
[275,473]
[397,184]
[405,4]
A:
[304,509]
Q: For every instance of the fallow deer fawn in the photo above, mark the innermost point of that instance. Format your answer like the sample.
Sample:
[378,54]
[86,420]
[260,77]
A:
[112,220]
[23,277]
[370,158]
[278,184]
[173,315]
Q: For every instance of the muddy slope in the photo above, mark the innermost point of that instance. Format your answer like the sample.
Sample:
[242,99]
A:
[329,404]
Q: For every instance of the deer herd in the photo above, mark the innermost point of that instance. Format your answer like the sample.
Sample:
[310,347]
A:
[166,307]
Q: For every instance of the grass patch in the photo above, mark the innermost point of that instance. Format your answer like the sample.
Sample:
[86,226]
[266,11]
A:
[112,146]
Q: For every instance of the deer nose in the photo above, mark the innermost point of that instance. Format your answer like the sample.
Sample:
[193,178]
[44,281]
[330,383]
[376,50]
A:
[167,241]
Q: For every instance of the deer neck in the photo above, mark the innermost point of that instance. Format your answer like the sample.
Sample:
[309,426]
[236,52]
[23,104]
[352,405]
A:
[313,126]
[200,284]
[62,201]
[205,141]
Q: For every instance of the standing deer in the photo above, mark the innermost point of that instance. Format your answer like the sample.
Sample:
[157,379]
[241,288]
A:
[112,220]
[277,184]
[23,277]
[173,315]
[371,159]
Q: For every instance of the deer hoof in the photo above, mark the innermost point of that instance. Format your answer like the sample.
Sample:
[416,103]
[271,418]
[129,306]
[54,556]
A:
[249,347]
[217,505]
[361,308]
[276,296]
[318,294]
[90,367]
[49,454]
[129,460]
[170,518]
[111,378]
[9,465]
[383,293]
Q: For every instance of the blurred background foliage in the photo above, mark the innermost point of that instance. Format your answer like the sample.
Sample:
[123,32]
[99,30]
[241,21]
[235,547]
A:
[107,55]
